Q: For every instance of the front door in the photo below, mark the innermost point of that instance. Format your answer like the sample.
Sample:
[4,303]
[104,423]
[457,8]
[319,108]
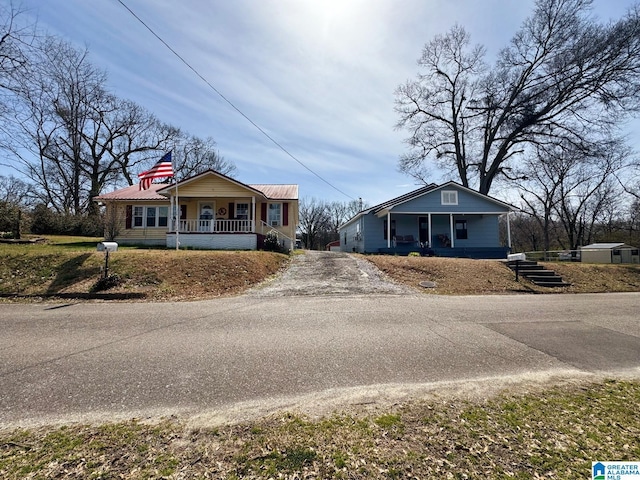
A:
[206,217]
[423,229]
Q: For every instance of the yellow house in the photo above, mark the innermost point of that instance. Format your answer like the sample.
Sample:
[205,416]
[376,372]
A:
[208,211]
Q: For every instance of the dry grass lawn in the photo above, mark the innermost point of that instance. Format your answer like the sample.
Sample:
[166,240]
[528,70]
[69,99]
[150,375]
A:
[460,276]
[34,272]
[69,268]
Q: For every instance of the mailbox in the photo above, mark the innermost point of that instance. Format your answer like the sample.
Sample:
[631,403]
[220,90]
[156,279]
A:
[107,247]
[516,256]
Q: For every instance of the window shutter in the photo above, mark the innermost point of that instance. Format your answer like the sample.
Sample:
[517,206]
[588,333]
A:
[263,212]
[183,212]
[232,213]
[128,216]
[285,213]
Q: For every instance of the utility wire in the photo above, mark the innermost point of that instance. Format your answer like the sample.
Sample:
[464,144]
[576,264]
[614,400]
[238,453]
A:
[229,101]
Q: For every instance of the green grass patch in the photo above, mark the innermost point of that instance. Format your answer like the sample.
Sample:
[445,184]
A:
[550,434]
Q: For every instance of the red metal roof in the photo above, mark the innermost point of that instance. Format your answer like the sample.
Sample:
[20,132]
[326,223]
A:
[279,192]
[275,192]
[134,193]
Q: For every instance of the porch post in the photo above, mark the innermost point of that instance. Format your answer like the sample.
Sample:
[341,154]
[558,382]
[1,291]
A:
[388,229]
[508,230]
[429,231]
[453,243]
[172,214]
[253,214]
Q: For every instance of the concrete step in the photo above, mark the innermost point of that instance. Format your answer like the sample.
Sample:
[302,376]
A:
[529,268]
[537,273]
[521,263]
[545,278]
[553,284]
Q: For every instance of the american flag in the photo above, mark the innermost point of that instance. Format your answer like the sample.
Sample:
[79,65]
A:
[162,169]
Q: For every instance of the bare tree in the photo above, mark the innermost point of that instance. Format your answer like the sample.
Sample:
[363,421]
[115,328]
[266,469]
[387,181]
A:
[563,76]
[193,155]
[125,137]
[79,137]
[572,187]
[15,42]
[15,197]
[339,212]
[313,221]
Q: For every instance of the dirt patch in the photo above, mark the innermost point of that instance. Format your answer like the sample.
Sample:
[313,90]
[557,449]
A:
[330,273]
[463,276]
[452,276]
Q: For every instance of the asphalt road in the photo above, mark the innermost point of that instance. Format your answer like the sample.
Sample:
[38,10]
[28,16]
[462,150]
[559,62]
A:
[92,362]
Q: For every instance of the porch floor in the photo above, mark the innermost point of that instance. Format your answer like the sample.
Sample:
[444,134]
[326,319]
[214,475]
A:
[493,253]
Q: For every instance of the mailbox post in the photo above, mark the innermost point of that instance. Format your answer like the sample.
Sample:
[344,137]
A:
[107,247]
[516,258]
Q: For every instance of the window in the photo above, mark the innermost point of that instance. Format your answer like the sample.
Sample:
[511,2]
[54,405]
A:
[461,229]
[274,214]
[150,217]
[138,213]
[449,197]
[242,211]
[163,216]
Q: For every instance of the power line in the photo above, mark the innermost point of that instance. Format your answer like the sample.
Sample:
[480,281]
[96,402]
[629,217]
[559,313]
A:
[276,143]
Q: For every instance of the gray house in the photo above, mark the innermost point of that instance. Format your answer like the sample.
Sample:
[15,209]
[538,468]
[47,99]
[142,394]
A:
[446,220]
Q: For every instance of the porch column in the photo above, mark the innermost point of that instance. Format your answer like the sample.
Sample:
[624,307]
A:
[451,226]
[388,229]
[172,225]
[253,214]
[508,230]
[429,231]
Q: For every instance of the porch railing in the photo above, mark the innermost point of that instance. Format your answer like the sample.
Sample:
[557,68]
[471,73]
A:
[217,226]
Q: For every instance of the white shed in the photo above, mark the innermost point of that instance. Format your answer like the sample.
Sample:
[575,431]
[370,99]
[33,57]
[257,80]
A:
[609,253]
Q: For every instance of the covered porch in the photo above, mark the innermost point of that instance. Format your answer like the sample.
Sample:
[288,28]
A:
[470,235]
[198,225]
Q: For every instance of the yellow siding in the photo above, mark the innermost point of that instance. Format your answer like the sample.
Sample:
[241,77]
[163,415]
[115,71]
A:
[132,234]
[143,234]
[288,230]
[209,186]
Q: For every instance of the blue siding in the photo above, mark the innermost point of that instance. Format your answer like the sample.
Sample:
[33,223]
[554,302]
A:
[374,236]
[482,231]
[480,213]
[350,241]
[467,203]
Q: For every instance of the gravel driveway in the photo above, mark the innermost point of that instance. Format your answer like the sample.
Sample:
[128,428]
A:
[329,273]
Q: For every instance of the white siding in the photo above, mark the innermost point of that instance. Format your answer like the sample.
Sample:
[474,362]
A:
[217,242]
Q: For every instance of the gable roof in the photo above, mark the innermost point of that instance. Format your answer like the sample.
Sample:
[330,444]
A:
[394,202]
[160,191]
[389,204]
[432,188]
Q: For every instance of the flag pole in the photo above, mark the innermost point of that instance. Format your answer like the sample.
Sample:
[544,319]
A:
[178,212]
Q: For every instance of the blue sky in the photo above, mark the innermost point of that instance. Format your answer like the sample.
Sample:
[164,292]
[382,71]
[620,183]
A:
[318,76]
